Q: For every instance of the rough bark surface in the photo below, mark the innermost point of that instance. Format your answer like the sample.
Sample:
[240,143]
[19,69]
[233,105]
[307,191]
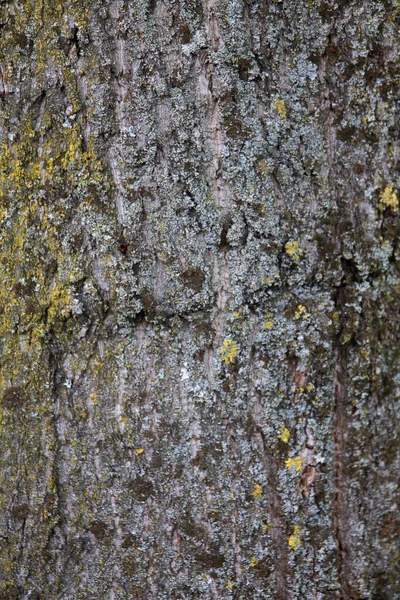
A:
[199,299]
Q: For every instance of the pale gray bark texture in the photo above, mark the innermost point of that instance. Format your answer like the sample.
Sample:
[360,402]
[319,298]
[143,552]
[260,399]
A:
[199,299]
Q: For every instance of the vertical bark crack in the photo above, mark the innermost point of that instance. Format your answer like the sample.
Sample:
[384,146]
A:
[280,545]
[340,513]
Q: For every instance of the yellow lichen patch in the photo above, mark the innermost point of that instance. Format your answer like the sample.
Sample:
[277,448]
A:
[60,303]
[229,585]
[294,462]
[94,398]
[285,435]
[229,351]
[258,491]
[293,250]
[254,562]
[388,199]
[266,527]
[294,540]
[262,166]
[268,324]
[279,106]
[301,313]
[34,182]
[139,451]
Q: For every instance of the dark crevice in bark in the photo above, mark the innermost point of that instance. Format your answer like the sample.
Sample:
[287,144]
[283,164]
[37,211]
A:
[236,537]
[341,419]
[270,464]
[278,191]
[74,41]
[60,502]
[340,515]
[341,346]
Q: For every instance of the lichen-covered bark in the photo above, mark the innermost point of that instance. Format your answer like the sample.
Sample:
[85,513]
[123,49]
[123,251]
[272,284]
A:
[199,299]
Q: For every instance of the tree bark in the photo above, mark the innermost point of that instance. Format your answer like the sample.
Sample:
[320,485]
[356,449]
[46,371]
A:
[199,299]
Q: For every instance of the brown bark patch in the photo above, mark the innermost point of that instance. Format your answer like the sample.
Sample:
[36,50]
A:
[14,397]
[20,511]
[142,488]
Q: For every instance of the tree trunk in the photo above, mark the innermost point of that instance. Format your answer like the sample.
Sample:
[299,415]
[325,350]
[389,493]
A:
[199,299]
